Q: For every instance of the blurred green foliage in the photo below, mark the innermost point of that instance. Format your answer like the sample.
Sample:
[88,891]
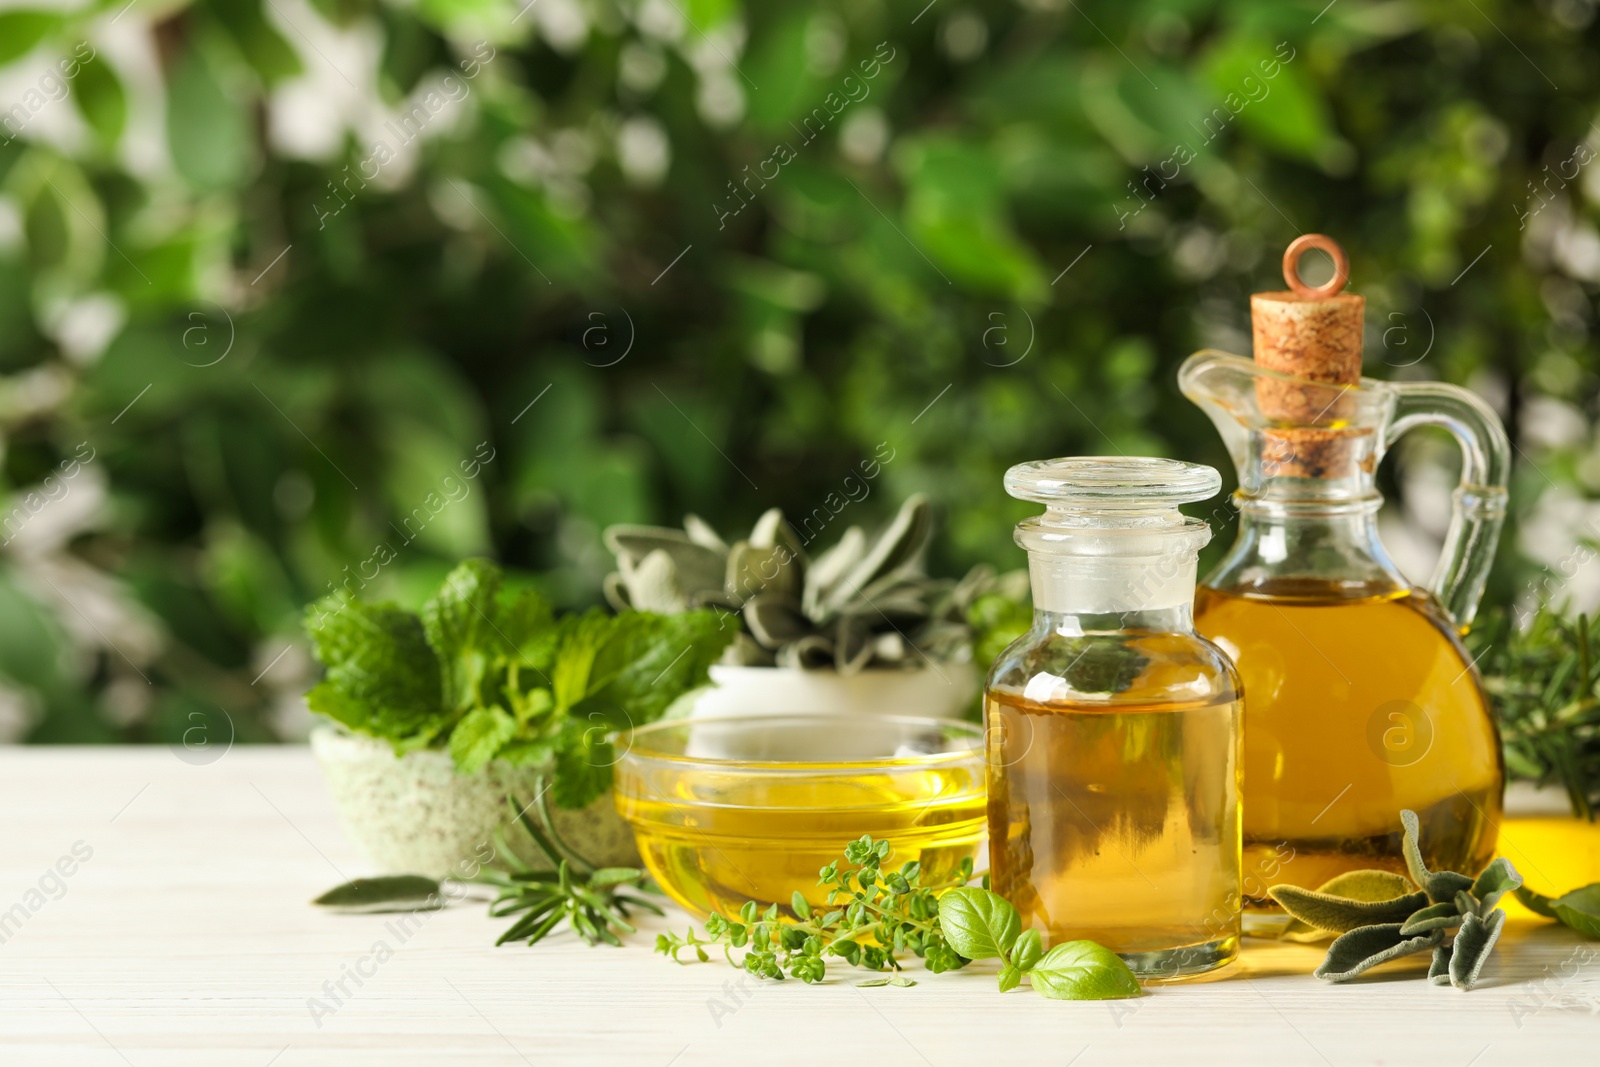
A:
[625,260]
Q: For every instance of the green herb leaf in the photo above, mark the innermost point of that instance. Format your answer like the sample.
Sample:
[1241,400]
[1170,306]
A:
[1537,903]
[1434,917]
[902,982]
[1361,950]
[1494,882]
[1029,947]
[382,678]
[479,736]
[1341,914]
[979,924]
[1083,970]
[1413,852]
[1439,969]
[872,983]
[1010,977]
[1467,904]
[460,629]
[1444,885]
[1352,885]
[647,661]
[1472,946]
[1580,909]
[398,892]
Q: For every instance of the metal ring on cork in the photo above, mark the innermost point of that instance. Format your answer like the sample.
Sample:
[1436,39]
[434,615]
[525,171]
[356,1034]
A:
[1291,266]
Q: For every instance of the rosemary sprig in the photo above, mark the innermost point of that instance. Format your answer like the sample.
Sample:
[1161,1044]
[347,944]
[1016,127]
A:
[594,901]
[590,899]
[1542,679]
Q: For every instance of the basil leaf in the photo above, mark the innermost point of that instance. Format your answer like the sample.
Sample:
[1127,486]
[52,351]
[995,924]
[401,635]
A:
[977,923]
[1028,949]
[1010,977]
[1083,970]
[396,892]
[1580,909]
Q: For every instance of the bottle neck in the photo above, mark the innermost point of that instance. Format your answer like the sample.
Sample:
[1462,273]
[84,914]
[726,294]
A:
[1077,595]
[1318,543]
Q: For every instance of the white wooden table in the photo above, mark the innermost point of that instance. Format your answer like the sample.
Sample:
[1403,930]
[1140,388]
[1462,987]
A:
[185,938]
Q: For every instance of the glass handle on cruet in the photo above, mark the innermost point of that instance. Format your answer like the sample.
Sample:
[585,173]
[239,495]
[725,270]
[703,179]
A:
[1478,505]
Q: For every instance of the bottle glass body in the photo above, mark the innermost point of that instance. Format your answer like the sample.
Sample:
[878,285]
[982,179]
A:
[1113,738]
[1362,702]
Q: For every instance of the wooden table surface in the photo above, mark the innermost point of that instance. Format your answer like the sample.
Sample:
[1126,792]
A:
[185,937]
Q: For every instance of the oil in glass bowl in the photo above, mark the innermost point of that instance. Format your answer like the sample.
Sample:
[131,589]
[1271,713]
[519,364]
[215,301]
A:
[751,808]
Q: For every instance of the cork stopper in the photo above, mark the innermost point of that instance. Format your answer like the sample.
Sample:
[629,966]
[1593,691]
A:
[1312,333]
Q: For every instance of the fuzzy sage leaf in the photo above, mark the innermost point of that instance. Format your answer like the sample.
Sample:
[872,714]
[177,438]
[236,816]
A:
[1361,950]
[1341,914]
[1472,946]
[396,892]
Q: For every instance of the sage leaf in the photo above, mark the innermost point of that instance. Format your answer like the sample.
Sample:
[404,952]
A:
[1083,970]
[978,924]
[1414,864]
[396,892]
[1472,945]
[1444,885]
[1494,882]
[615,875]
[1361,950]
[1580,909]
[1434,917]
[1467,904]
[1537,903]
[871,983]
[1341,914]
[1353,885]
[1439,969]
[1028,949]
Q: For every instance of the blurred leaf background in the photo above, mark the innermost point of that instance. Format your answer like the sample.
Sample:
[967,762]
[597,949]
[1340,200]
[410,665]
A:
[305,293]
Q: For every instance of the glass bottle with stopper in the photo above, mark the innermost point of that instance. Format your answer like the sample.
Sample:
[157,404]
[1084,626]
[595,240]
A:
[1112,728]
[1360,699]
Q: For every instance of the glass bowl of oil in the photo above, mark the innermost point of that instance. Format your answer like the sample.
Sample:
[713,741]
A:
[734,809]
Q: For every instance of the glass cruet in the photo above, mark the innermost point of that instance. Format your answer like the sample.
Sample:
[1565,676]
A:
[1359,697]
[1112,728]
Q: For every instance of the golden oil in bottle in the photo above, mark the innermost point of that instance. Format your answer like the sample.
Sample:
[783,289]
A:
[1119,823]
[759,812]
[1113,729]
[1359,702]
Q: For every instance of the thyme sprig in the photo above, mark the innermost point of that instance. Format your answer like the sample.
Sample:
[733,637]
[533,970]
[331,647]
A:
[874,917]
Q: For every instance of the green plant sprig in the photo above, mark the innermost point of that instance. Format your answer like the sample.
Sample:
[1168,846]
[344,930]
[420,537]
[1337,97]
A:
[1381,916]
[865,902]
[1542,681]
[1578,910]
[594,901]
[946,924]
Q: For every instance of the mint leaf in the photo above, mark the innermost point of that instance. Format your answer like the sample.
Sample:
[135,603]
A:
[527,631]
[479,736]
[583,762]
[979,924]
[648,661]
[580,641]
[1083,970]
[382,678]
[461,630]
